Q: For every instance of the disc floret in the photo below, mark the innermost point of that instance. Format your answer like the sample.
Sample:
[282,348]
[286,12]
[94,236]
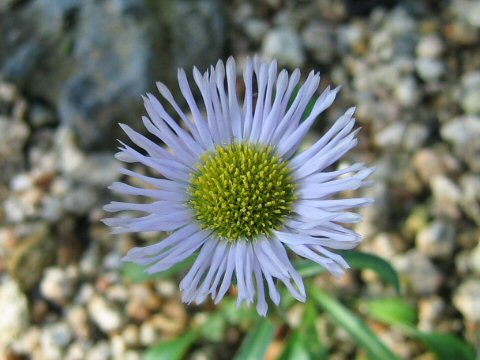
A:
[242,191]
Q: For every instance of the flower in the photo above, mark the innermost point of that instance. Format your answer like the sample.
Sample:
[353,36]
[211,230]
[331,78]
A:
[232,185]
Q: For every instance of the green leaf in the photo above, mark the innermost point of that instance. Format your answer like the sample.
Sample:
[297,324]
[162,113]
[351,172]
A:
[296,348]
[137,274]
[173,349]
[255,344]
[357,260]
[313,342]
[354,325]
[446,346]
[392,311]
[398,313]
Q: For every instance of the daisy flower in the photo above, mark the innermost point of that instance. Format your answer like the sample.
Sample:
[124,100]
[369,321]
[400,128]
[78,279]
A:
[231,185]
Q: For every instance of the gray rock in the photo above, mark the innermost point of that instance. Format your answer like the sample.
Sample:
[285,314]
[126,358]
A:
[93,59]
[285,45]
[15,319]
[419,272]
[466,298]
[437,240]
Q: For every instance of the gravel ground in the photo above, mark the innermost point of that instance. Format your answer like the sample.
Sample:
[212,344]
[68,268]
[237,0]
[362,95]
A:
[412,70]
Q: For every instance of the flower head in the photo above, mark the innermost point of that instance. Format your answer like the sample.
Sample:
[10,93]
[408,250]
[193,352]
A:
[232,185]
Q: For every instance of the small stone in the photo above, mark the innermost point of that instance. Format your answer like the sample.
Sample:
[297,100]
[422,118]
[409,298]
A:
[428,164]
[437,240]
[470,185]
[466,298]
[100,351]
[148,334]
[255,28]
[430,46]
[446,195]
[419,272]
[38,251]
[284,45]
[107,316]
[430,70]
[77,318]
[15,319]
[474,259]
[407,92]
[391,136]
[319,39]
[54,340]
[470,103]
[430,310]
[41,116]
[131,336]
[56,286]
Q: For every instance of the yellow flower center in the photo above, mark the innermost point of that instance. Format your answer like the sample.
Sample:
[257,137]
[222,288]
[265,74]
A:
[242,191]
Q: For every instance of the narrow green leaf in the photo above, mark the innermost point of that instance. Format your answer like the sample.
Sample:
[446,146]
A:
[354,325]
[357,260]
[173,349]
[398,313]
[360,261]
[255,344]
[296,348]
[446,346]
[392,311]
[313,342]
[136,273]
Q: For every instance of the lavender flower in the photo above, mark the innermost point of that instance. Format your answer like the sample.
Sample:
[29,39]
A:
[234,187]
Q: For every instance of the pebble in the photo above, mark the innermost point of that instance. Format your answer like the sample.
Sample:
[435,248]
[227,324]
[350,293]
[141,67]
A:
[437,240]
[56,285]
[105,315]
[474,259]
[446,196]
[430,310]
[284,45]
[407,92]
[419,272]
[319,39]
[54,340]
[430,46]
[100,351]
[15,317]
[466,298]
[77,318]
[430,70]
[470,187]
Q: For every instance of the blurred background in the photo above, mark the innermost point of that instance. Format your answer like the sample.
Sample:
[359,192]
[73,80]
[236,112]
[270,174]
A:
[70,70]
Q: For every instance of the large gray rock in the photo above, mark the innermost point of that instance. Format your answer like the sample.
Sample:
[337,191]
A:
[93,59]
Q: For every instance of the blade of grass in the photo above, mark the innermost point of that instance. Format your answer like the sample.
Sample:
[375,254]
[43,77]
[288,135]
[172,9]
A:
[354,325]
[255,344]
[359,261]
